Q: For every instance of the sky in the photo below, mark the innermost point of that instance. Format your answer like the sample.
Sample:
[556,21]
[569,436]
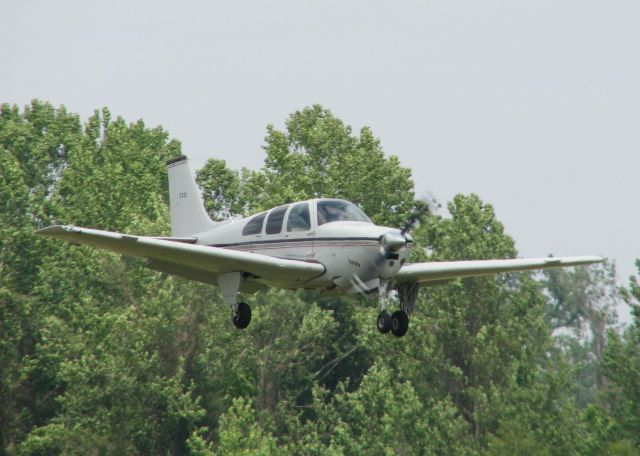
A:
[533,105]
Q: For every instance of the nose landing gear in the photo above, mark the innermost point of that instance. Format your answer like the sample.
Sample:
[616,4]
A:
[384,322]
[398,322]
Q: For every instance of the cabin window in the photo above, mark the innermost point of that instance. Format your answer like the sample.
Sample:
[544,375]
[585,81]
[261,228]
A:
[275,219]
[255,225]
[299,218]
[339,211]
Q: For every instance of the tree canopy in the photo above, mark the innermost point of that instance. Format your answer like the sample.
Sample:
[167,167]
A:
[101,355]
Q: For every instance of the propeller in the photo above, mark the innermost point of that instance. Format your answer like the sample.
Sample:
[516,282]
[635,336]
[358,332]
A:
[392,241]
[427,204]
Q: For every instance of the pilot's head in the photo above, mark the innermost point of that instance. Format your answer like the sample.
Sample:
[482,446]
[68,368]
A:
[336,211]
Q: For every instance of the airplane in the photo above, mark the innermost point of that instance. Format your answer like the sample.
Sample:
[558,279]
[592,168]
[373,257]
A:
[323,243]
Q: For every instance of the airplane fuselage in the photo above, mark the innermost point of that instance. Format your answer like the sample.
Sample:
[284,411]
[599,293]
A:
[350,250]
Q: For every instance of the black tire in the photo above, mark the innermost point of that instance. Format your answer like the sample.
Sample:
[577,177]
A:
[384,322]
[243,317]
[399,323]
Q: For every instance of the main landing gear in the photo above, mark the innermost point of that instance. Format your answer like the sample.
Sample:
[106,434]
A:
[229,284]
[241,315]
[397,322]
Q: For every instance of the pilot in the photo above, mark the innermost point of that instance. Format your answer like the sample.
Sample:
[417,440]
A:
[335,212]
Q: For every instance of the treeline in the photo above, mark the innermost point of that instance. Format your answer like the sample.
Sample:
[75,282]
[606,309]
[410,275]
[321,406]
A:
[100,355]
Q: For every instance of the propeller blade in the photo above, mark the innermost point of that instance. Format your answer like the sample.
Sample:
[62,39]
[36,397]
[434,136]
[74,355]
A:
[425,205]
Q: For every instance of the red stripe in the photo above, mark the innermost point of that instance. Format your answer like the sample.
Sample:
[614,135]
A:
[264,247]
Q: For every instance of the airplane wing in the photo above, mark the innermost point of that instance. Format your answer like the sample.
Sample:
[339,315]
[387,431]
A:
[443,271]
[182,257]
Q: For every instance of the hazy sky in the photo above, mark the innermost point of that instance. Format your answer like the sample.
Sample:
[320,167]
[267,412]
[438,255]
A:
[535,106]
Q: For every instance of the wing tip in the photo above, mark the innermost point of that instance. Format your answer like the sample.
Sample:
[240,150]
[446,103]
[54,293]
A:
[595,259]
[577,260]
[55,230]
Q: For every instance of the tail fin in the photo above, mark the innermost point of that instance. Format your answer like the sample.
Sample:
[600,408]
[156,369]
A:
[188,216]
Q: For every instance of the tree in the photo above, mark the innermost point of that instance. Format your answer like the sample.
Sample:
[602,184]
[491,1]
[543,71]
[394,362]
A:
[33,149]
[621,365]
[101,354]
[581,309]
[80,348]
[222,189]
[117,179]
[385,414]
[479,320]
[240,434]
[318,156]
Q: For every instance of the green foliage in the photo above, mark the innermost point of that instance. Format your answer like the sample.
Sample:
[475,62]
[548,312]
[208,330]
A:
[88,361]
[241,434]
[100,355]
[621,365]
[472,232]
[126,160]
[317,156]
[221,188]
[384,414]
[515,437]
[479,320]
[581,307]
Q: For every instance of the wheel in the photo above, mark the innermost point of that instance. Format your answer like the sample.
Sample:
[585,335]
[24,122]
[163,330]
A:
[243,316]
[384,322]
[399,323]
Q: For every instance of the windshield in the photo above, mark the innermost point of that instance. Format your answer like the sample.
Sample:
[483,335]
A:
[339,211]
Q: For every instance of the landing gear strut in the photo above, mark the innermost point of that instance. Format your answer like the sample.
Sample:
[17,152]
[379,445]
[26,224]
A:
[229,284]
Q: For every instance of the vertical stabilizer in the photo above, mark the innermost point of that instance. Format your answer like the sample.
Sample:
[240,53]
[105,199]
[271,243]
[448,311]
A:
[188,216]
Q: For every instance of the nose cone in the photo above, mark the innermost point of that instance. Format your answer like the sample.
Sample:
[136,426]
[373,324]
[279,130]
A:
[392,241]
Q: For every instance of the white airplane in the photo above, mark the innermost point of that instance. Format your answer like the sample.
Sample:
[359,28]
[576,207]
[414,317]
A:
[324,244]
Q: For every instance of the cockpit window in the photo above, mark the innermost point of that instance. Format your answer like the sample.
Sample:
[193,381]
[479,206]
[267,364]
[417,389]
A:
[299,218]
[276,217]
[255,225]
[339,210]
